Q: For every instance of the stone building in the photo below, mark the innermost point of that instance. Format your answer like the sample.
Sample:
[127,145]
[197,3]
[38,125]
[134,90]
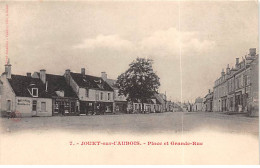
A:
[64,99]
[232,91]
[208,103]
[95,95]
[120,102]
[198,105]
[23,95]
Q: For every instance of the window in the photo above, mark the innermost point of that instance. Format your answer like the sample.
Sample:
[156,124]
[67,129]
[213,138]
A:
[8,105]
[108,96]
[72,107]
[86,93]
[34,105]
[97,96]
[135,106]
[101,95]
[43,106]
[35,92]
[56,107]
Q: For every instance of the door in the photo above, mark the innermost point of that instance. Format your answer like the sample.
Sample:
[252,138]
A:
[34,107]
[61,108]
[8,106]
[83,108]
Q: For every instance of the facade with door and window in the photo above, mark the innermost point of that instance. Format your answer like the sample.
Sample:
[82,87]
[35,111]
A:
[120,101]
[64,99]
[24,95]
[233,90]
[95,95]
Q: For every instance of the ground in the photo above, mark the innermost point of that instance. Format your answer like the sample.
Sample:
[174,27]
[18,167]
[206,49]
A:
[137,123]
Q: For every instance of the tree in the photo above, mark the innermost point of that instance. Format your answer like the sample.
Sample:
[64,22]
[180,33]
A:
[139,82]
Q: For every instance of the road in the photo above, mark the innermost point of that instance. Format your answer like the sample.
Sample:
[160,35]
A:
[137,123]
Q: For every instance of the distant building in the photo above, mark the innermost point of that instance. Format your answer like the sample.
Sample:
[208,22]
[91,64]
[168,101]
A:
[198,105]
[169,106]
[208,103]
[152,105]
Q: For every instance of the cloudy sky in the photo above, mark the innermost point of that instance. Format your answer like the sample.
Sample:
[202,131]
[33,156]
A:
[190,42]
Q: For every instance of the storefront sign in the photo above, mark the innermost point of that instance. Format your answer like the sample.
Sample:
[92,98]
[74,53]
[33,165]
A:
[23,102]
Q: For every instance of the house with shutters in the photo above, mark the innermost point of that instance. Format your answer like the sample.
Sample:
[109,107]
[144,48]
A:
[24,95]
[95,95]
[64,100]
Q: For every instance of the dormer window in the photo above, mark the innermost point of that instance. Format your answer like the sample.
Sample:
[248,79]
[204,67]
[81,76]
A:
[35,92]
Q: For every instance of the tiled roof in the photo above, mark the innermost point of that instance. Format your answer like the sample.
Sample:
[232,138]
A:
[112,83]
[159,98]
[90,82]
[58,83]
[20,85]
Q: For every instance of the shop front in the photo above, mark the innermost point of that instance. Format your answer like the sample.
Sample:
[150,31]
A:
[120,107]
[95,108]
[65,106]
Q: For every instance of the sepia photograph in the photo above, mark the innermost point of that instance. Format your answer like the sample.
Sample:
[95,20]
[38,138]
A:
[129,82]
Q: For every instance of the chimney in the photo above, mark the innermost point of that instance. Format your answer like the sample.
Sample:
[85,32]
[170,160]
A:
[67,71]
[8,69]
[28,74]
[67,76]
[209,90]
[43,75]
[228,69]
[252,51]
[83,71]
[237,61]
[222,73]
[104,76]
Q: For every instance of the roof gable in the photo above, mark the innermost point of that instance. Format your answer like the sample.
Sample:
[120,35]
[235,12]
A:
[21,85]
[90,82]
[58,83]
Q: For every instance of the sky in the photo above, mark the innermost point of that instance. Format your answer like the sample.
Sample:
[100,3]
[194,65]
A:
[190,42]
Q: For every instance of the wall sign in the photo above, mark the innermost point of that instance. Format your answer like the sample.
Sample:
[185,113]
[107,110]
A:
[24,102]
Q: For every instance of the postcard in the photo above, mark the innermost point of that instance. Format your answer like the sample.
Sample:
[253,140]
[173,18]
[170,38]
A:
[129,82]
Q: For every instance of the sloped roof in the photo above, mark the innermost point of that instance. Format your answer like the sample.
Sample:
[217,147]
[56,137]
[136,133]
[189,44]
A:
[90,82]
[159,98]
[58,83]
[20,85]
[112,83]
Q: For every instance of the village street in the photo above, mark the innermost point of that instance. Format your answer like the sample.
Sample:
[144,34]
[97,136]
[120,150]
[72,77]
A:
[136,123]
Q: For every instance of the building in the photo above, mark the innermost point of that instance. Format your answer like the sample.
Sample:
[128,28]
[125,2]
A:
[64,100]
[152,105]
[198,105]
[169,106]
[162,99]
[95,95]
[253,99]
[233,90]
[24,95]
[208,103]
[120,101]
